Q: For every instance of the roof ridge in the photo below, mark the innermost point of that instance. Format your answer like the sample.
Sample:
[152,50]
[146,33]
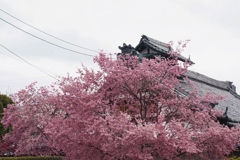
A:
[150,38]
[205,79]
[160,46]
[226,85]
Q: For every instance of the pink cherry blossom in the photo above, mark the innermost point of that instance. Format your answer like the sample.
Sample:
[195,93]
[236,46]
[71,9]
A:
[127,110]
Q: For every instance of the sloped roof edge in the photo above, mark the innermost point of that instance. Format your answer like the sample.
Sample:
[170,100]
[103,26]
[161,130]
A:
[210,81]
[158,46]
[224,85]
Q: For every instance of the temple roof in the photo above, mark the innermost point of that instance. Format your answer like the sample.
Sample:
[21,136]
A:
[230,106]
[206,84]
[158,46]
[154,44]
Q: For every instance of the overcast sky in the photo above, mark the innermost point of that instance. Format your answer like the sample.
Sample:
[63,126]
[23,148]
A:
[213,26]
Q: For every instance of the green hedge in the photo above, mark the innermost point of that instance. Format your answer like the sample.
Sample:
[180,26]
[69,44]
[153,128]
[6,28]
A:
[234,158]
[31,158]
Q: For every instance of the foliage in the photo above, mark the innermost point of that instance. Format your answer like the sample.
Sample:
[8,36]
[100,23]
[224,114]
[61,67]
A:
[235,155]
[234,158]
[127,110]
[31,158]
[6,148]
[4,101]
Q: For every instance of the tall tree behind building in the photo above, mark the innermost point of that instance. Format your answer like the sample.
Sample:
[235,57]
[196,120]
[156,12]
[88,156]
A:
[4,101]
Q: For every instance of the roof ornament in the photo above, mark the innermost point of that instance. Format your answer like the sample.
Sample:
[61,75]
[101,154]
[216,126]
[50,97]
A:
[225,113]
[130,50]
[144,37]
[126,48]
[231,86]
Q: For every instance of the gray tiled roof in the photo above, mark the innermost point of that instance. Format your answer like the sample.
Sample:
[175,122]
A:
[206,84]
[158,46]
[210,81]
[202,83]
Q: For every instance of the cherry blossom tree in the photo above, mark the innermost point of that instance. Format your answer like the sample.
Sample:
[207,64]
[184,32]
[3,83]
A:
[27,116]
[126,110]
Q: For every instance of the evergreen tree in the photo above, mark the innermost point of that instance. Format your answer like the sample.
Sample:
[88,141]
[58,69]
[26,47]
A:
[4,101]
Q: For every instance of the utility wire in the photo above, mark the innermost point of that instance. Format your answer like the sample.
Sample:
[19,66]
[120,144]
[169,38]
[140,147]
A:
[24,61]
[22,79]
[28,62]
[48,33]
[46,40]
[11,56]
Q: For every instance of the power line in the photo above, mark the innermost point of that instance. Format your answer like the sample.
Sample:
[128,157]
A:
[28,62]
[48,33]
[21,79]
[46,40]
[11,56]
[24,61]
